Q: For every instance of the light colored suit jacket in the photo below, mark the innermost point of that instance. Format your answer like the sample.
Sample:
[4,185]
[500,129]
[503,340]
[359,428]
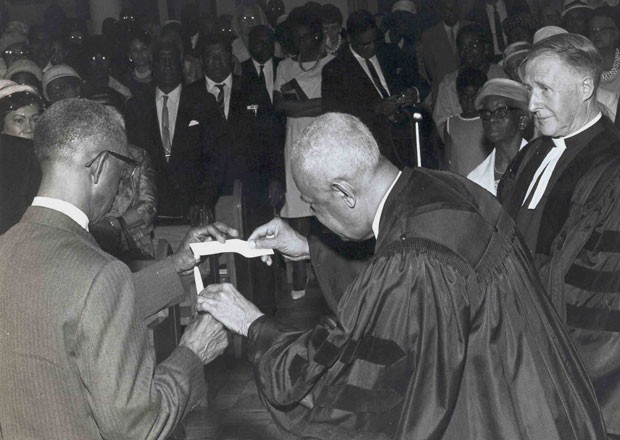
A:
[75,357]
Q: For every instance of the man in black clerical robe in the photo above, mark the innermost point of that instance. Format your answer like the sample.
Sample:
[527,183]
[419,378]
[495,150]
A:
[563,190]
[445,333]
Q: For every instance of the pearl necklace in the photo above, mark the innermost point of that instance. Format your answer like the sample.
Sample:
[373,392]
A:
[335,49]
[316,63]
[610,74]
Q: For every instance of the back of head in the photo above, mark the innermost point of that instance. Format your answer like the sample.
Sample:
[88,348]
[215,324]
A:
[573,50]
[73,125]
[335,145]
[359,22]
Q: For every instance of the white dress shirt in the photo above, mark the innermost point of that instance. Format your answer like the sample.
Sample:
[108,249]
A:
[66,208]
[216,91]
[173,108]
[375,63]
[377,219]
[545,170]
[268,71]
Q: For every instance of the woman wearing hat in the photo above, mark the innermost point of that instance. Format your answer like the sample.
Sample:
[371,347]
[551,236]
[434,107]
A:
[20,107]
[503,107]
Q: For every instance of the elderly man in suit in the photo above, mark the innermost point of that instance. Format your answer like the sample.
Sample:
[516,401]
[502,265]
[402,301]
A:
[563,192]
[177,128]
[75,357]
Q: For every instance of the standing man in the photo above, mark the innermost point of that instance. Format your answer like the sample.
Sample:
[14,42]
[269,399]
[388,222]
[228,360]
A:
[563,192]
[76,361]
[177,128]
[445,333]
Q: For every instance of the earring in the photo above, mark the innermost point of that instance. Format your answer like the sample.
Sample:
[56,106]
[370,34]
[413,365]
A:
[130,60]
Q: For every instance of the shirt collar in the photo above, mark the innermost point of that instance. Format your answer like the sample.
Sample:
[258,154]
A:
[69,209]
[211,84]
[377,219]
[580,130]
[174,94]
[360,58]
[257,64]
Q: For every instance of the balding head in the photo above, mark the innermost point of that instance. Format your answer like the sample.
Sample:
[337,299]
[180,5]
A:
[338,169]
[335,145]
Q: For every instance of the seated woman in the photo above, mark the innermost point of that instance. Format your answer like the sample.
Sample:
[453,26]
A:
[135,205]
[503,107]
[20,107]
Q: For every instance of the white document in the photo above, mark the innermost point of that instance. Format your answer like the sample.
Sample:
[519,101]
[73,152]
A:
[215,247]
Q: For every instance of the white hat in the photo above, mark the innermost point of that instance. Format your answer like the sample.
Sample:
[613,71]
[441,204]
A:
[55,72]
[405,6]
[547,31]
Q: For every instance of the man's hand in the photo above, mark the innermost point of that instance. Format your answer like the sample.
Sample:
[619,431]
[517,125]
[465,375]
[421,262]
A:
[183,259]
[228,306]
[279,235]
[206,337]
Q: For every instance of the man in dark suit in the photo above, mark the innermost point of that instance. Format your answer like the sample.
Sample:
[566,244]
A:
[75,357]
[368,80]
[258,77]
[20,176]
[176,127]
[491,13]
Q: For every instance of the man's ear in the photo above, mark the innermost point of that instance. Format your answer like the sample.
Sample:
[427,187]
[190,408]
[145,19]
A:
[97,168]
[346,191]
[587,88]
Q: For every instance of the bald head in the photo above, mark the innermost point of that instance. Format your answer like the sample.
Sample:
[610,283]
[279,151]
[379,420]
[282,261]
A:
[71,126]
[335,146]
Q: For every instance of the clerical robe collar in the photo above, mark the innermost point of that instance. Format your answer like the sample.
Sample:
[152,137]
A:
[377,219]
[572,136]
[66,208]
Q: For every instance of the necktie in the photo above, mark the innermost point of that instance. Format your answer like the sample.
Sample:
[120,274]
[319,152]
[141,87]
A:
[261,75]
[543,174]
[499,34]
[452,38]
[165,127]
[220,100]
[376,80]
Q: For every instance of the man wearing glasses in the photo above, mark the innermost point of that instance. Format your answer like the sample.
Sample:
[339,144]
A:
[563,192]
[75,357]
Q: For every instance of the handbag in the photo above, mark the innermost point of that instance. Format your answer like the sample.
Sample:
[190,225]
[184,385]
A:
[134,257]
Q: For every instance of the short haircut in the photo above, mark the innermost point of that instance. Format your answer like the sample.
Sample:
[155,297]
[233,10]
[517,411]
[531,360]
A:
[331,14]
[166,41]
[336,145]
[573,50]
[473,29]
[469,76]
[215,39]
[309,17]
[359,22]
[260,29]
[72,125]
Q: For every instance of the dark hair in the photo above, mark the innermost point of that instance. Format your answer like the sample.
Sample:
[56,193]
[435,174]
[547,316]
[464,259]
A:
[75,124]
[331,14]
[469,76]
[214,39]
[260,28]
[359,22]
[607,11]
[166,41]
[473,29]
[18,100]
[309,17]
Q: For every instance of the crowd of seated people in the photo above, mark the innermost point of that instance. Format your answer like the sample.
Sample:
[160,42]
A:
[209,102]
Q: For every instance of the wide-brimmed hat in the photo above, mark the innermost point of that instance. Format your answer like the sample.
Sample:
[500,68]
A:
[506,88]
[55,72]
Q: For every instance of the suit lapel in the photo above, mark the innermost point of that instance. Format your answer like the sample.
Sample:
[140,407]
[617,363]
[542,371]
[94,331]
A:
[358,75]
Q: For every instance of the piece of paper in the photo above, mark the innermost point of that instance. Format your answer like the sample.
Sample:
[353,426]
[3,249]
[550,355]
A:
[235,245]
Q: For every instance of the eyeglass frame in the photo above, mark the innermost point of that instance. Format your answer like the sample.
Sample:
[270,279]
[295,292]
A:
[498,113]
[128,160]
[598,30]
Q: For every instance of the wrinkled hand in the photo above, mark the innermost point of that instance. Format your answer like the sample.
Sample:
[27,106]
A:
[206,337]
[279,235]
[228,306]
[183,259]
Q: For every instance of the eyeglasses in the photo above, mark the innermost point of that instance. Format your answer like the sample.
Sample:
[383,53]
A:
[126,172]
[498,113]
[601,29]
